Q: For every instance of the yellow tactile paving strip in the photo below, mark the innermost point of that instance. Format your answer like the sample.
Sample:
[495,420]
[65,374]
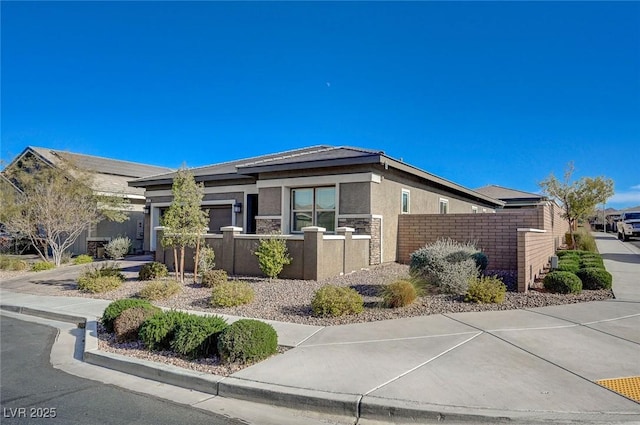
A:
[628,387]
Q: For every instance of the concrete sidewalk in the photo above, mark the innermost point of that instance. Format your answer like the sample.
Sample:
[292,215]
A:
[526,365]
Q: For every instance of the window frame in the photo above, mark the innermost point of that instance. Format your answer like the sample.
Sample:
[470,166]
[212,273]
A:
[314,212]
[406,192]
[443,203]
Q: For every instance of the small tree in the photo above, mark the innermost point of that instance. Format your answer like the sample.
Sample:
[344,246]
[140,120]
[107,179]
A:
[184,220]
[578,199]
[272,255]
[53,205]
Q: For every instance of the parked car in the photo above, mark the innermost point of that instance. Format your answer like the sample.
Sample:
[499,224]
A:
[629,225]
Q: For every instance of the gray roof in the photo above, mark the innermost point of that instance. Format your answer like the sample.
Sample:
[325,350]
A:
[306,158]
[506,194]
[111,175]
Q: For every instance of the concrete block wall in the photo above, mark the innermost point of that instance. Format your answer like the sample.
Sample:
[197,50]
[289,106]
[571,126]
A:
[534,249]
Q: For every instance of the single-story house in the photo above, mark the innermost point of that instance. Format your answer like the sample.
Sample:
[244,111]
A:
[110,178]
[330,187]
[513,198]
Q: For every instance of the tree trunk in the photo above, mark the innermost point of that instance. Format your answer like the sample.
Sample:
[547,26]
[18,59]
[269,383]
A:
[182,264]
[195,261]
[176,266]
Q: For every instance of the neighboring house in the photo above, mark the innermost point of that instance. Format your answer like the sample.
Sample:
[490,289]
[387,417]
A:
[322,186]
[110,178]
[513,198]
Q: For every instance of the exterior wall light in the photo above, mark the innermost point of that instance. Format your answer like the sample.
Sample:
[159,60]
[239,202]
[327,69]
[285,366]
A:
[237,207]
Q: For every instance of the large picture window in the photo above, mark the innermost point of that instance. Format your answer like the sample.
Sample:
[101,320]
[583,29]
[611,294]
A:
[313,206]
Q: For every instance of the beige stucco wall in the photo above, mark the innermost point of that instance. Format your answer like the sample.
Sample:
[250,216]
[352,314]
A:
[355,198]
[270,201]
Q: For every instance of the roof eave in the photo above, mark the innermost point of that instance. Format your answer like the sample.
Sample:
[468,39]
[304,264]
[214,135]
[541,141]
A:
[323,163]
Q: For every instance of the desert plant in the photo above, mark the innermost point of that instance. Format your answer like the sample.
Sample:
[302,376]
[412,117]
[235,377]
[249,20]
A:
[481,260]
[118,247]
[212,278]
[39,266]
[331,301]
[562,282]
[98,284]
[127,324]
[486,289]
[65,258]
[232,293]
[153,270]
[114,309]
[446,265]
[399,293]
[246,341]
[586,263]
[158,331]
[197,336]
[595,278]
[568,266]
[160,290]
[103,270]
[585,240]
[83,259]
[13,264]
[206,259]
[272,255]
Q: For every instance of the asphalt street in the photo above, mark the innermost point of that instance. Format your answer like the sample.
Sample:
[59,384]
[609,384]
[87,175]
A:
[33,392]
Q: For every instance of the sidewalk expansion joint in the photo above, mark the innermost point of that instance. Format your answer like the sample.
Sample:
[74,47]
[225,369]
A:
[369,341]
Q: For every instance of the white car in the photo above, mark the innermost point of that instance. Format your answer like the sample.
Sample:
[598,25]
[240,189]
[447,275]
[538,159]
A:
[629,225]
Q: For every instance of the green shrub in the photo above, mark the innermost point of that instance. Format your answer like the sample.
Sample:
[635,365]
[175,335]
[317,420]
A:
[152,270]
[481,260]
[592,263]
[158,331]
[98,284]
[127,324]
[104,270]
[334,301]
[585,240]
[160,289]
[13,264]
[83,259]
[114,309]
[568,266]
[212,278]
[446,265]
[568,252]
[206,259]
[272,255]
[486,289]
[562,282]
[595,278]
[231,294]
[197,336]
[247,341]
[118,247]
[399,293]
[42,265]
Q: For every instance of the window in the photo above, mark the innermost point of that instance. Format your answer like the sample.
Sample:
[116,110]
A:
[313,207]
[406,200]
[474,209]
[444,206]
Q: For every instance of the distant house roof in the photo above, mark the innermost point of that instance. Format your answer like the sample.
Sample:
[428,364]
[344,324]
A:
[511,197]
[307,158]
[112,175]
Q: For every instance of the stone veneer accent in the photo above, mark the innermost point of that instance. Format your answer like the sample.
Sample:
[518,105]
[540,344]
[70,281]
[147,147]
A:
[367,226]
[266,226]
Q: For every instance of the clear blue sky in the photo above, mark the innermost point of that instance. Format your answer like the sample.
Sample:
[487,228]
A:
[479,93]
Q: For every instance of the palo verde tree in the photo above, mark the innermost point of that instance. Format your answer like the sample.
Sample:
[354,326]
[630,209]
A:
[579,198]
[53,205]
[184,221]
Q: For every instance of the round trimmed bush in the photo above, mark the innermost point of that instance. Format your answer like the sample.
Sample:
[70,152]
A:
[568,266]
[586,263]
[95,285]
[486,289]
[211,278]
[42,265]
[562,282]
[399,294]
[158,331]
[247,341]
[127,324]
[197,336]
[332,301]
[152,270]
[114,310]
[595,278]
[231,294]
[481,260]
[160,289]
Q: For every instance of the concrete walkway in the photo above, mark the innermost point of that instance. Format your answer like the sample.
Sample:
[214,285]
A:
[538,364]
